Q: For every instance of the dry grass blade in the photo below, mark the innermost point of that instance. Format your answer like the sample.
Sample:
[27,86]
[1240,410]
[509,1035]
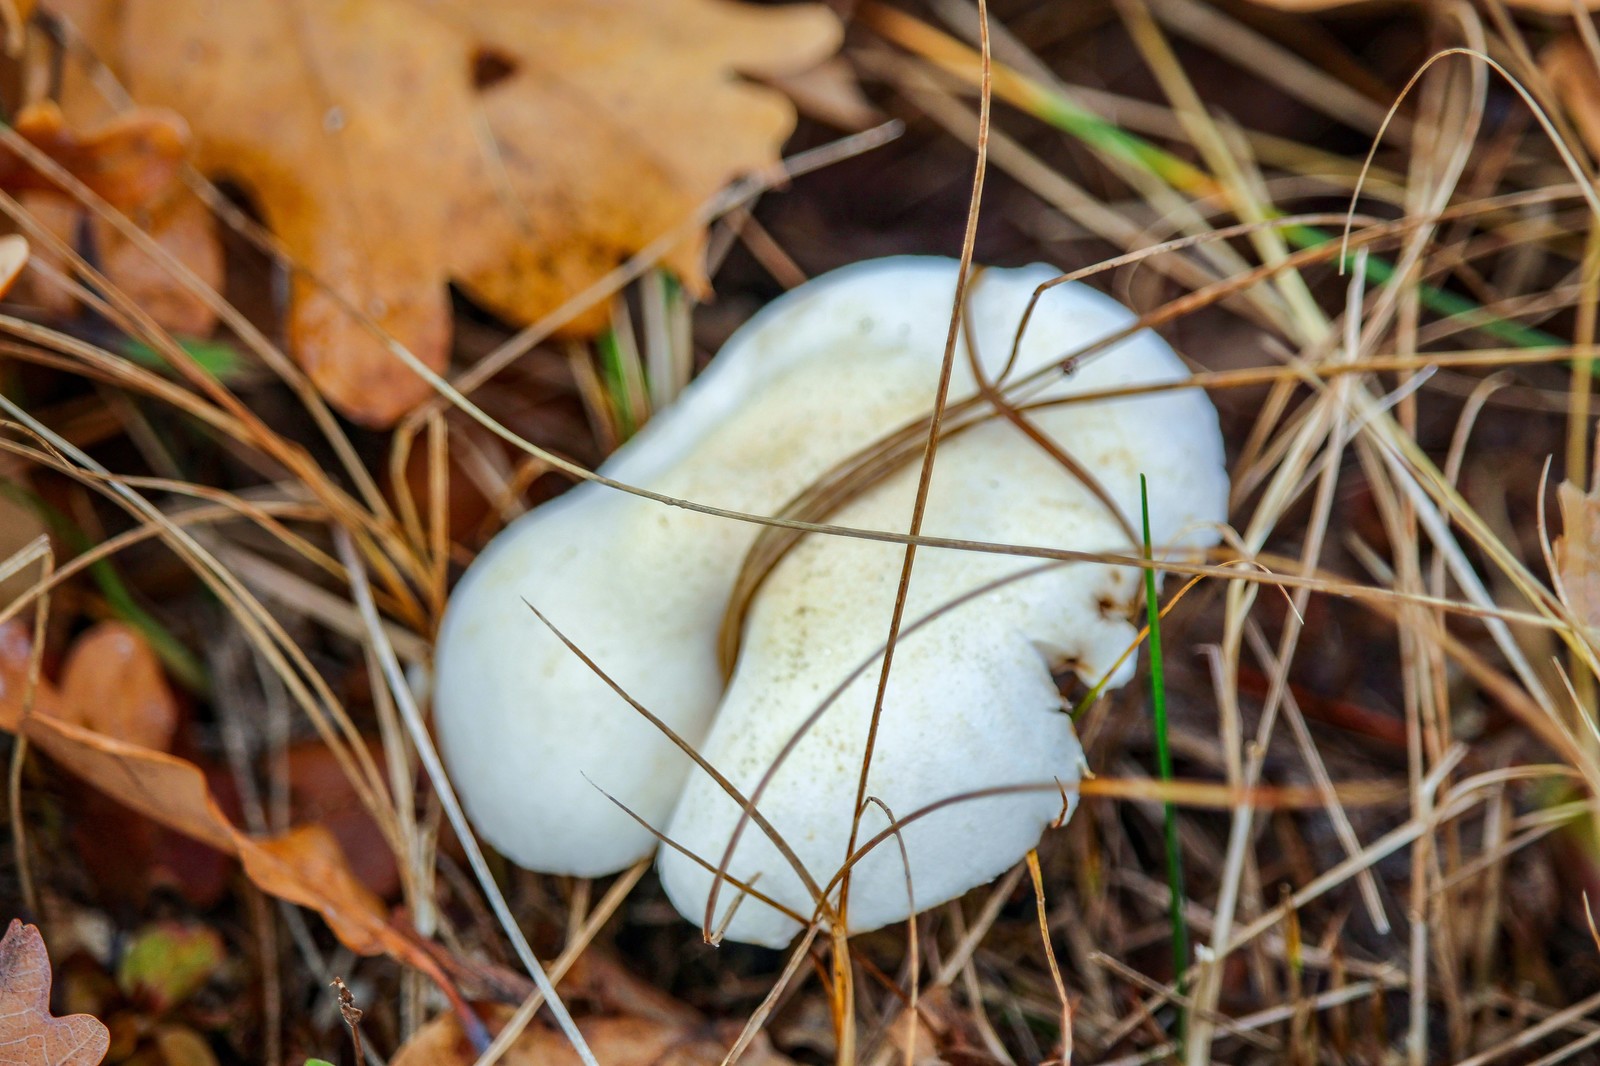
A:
[441,781]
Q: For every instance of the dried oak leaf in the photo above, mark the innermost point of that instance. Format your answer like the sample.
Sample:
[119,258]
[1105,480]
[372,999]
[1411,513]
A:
[112,685]
[29,1036]
[176,220]
[521,148]
[304,865]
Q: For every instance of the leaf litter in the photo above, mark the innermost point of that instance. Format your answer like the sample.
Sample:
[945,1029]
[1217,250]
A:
[1428,691]
[92,731]
[317,109]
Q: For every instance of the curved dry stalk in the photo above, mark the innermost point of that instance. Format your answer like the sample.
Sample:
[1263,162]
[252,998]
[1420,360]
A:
[919,505]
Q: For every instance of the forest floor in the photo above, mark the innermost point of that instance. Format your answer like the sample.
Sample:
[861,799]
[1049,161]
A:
[229,523]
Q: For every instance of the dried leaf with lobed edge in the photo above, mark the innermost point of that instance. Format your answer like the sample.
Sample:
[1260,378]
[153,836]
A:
[520,149]
[29,1036]
[132,160]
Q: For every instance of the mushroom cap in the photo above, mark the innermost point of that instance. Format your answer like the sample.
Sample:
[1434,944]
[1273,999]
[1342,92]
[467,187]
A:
[971,705]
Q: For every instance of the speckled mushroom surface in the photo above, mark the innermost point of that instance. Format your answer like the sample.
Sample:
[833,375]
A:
[539,747]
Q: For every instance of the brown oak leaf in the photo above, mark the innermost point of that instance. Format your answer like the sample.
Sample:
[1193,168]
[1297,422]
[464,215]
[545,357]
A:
[521,148]
[29,1036]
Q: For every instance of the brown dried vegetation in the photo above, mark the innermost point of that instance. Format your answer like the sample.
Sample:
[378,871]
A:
[1383,688]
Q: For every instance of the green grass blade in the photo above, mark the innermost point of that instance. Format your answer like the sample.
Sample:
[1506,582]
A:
[217,358]
[615,376]
[1158,703]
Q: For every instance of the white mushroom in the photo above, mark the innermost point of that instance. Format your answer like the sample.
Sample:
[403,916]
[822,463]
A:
[533,736]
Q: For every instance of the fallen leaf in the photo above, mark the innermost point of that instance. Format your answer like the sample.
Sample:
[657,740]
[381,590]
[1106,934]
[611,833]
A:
[183,226]
[159,786]
[619,1041]
[63,219]
[112,683]
[168,962]
[304,865]
[16,643]
[174,218]
[1577,552]
[177,221]
[128,161]
[1572,74]
[29,1036]
[320,792]
[521,149]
